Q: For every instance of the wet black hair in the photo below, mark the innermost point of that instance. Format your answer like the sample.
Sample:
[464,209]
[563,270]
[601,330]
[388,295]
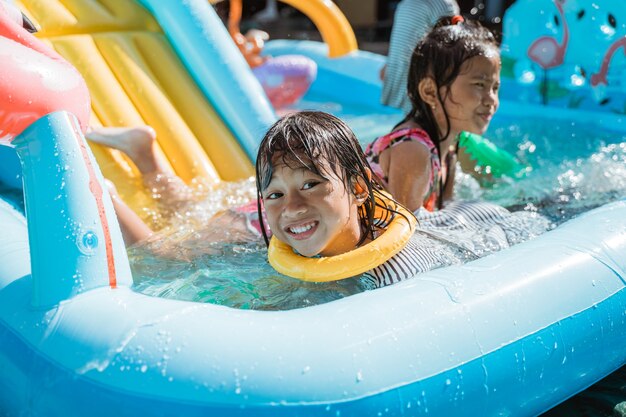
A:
[440,55]
[319,142]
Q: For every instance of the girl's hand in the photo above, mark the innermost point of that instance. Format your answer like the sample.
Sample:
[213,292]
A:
[249,50]
[257,38]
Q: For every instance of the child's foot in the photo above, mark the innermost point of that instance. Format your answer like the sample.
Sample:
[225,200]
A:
[133,141]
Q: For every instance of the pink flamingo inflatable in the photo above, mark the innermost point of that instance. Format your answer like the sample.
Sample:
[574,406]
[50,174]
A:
[601,76]
[546,51]
[34,79]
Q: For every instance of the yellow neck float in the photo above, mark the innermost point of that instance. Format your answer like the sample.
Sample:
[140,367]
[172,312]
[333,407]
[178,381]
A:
[332,268]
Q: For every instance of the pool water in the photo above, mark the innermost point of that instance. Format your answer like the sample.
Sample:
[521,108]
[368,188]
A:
[236,275]
[575,168]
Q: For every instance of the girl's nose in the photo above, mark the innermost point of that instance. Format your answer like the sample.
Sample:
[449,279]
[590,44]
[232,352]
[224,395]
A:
[490,98]
[294,205]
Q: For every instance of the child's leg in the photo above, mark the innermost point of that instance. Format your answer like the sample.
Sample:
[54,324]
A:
[136,142]
[269,13]
[139,143]
[133,228]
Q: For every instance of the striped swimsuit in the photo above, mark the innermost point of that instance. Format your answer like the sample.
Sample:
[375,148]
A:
[413,18]
[421,254]
[461,232]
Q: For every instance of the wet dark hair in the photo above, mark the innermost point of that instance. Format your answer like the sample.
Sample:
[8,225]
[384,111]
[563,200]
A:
[440,55]
[309,139]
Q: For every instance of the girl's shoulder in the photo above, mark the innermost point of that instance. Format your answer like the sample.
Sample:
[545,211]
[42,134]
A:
[409,128]
[414,133]
[400,135]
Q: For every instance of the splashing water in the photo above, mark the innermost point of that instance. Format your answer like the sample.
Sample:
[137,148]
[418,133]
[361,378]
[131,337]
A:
[575,168]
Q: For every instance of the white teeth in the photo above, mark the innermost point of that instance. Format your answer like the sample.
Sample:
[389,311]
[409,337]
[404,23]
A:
[301,229]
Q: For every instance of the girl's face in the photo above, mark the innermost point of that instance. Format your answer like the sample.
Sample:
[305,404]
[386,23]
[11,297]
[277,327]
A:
[312,214]
[472,99]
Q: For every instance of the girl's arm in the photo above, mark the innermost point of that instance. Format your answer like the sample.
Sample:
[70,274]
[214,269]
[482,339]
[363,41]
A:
[468,165]
[448,191]
[408,173]
[234,17]
[250,49]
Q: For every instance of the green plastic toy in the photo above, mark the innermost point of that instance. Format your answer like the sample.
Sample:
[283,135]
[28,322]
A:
[490,158]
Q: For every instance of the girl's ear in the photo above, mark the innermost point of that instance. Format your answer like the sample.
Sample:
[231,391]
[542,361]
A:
[427,89]
[361,191]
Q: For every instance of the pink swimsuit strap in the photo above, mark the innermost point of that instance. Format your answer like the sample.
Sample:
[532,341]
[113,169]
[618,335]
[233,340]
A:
[374,149]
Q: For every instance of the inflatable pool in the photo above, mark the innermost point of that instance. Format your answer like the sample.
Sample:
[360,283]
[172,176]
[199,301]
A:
[511,334]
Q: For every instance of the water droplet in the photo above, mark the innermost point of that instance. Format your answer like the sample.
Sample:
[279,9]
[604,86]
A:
[359,376]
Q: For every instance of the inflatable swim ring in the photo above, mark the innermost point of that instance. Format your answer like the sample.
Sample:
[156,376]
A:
[286,79]
[331,268]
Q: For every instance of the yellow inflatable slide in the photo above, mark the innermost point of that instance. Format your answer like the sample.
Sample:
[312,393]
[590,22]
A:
[135,77]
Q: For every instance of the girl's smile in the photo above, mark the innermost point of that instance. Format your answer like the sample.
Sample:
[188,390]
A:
[302,231]
[313,214]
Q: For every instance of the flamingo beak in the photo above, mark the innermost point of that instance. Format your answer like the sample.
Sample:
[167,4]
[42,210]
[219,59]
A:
[28,25]
[16,15]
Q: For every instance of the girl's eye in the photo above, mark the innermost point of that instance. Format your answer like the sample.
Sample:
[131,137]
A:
[309,184]
[273,196]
